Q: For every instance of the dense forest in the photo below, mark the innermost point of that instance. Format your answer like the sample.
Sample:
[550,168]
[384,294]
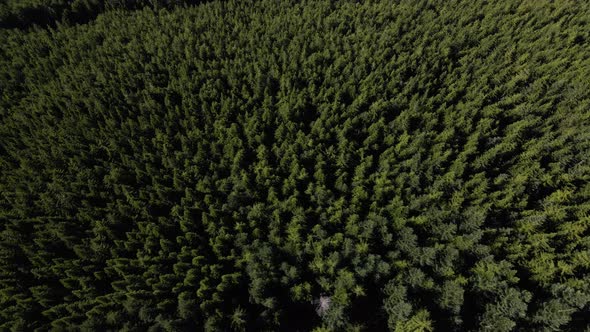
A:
[295,165]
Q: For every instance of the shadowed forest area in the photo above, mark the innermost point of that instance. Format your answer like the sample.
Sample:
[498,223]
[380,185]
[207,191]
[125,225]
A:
[294,165]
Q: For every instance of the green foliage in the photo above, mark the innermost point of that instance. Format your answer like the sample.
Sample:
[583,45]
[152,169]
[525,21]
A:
[227,166]
[24,14]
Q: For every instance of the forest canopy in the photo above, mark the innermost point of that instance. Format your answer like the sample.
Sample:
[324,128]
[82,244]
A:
[294,165]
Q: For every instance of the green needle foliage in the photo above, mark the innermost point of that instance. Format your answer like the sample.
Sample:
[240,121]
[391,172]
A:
[295,166]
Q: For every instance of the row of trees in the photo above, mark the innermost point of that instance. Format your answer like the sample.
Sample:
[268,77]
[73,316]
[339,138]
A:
[264,165]
[24,14]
